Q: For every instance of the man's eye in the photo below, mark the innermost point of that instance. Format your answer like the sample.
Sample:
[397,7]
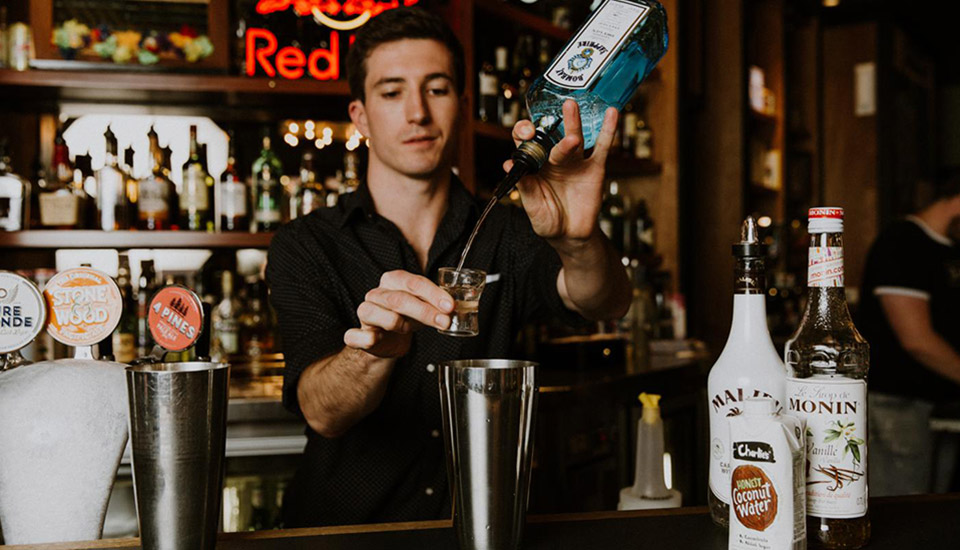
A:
[390,94]
[439,91]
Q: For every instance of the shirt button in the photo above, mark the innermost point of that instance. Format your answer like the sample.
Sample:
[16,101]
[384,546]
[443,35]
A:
[431,368]
[435,433]
[429,491]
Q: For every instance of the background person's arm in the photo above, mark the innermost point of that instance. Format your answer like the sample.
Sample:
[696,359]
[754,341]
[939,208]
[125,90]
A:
[909,316]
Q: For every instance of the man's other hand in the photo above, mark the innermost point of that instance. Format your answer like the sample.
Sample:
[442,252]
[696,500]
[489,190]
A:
[390,313]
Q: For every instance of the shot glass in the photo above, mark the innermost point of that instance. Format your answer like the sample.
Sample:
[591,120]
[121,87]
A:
[465,286]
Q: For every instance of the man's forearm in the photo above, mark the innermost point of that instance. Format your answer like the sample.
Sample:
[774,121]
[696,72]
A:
[593,281]
[936,354]
[338,391]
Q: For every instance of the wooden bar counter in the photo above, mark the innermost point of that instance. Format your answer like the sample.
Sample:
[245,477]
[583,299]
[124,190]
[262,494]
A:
[899,523]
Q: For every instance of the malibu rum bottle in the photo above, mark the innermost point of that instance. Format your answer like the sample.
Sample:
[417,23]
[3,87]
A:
[749,365]
[827,362]
[600,67]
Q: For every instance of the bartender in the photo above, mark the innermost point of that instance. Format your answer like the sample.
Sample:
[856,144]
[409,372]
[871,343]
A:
[354,291]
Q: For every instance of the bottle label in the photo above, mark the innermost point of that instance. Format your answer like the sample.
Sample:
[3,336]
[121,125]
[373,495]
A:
[153,201]
[835,411]
[59,209]
[234,199]
[726,403]
[825,266]
[124,347]
[194,195]
[593,47]
[488,85]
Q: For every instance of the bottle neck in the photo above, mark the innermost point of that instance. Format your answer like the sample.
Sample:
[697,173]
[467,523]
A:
[826,297]
[750,276]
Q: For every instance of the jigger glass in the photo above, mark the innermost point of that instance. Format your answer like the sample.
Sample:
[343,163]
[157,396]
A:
[465,286]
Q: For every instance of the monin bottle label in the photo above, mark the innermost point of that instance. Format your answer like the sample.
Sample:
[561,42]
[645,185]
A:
[835,412]
[593,47]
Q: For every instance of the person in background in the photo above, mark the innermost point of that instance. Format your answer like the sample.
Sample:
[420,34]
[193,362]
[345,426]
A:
[354,290]
[909,314]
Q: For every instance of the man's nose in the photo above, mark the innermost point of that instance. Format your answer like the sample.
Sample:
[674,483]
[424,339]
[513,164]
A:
[416,108]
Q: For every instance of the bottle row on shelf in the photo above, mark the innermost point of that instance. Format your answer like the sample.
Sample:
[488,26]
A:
[71,194]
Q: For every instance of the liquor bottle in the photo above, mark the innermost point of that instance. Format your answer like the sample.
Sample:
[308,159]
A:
[154,191]
[489,93]
[125,335]
[522,71]
[351,172]
[311,195]
[225,324]
[146,286]
[131,188]
[14,195]
[600,67]
[748,366]
[613,217]
[255,329]
[59,203]
[85,186]
[267,170]
[234,195]
[112,210]
[196,192]
[508,100]
[642,239]
[827,362]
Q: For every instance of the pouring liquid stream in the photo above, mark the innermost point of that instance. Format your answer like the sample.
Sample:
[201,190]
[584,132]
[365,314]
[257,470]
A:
[504,187]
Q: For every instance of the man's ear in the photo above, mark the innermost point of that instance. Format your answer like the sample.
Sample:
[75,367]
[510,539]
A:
[358,115]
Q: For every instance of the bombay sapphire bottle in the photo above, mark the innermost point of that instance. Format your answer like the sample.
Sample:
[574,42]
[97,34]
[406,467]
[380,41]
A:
[600,67]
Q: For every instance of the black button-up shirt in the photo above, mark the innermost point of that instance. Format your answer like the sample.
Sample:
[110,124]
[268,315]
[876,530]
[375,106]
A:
[391,465]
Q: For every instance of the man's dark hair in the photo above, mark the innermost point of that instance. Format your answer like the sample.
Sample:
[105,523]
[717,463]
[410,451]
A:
[394,25]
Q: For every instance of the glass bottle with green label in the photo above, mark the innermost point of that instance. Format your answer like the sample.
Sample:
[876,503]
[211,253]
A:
[267,170]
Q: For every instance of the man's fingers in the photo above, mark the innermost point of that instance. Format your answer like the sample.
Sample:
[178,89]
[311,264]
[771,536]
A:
[606,135]
[572,126]
[570,147]
[523,131]
[361,338]
[419,286]
[408,305]
[372,315]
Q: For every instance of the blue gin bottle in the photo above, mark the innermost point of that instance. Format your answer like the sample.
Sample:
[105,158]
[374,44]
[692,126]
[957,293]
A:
[600,67]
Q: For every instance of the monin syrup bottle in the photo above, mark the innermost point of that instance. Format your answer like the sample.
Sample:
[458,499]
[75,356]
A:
[827,362]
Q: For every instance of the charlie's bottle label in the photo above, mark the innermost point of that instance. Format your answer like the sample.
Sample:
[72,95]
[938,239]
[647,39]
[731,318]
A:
[592,48]
[835,412]
[726,404]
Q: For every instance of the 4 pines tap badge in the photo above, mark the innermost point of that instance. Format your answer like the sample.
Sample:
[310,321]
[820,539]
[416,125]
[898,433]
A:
[175,318]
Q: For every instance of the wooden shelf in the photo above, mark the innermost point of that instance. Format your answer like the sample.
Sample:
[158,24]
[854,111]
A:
[170,82]
[132,239]
[521,17]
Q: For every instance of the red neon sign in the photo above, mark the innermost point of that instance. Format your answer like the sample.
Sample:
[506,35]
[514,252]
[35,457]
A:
[289,61]
[332,7]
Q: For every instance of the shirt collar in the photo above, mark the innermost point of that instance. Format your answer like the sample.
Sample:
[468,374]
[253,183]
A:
[360,204]
[942,239]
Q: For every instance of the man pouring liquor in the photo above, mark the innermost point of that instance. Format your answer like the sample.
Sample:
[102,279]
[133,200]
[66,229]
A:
[354,290]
